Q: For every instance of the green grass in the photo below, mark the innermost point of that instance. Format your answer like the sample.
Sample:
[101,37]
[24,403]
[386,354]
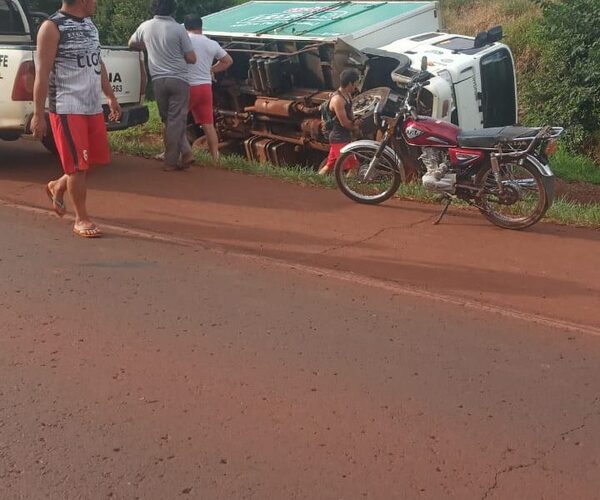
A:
[577,214]
[575,168]
[145,141]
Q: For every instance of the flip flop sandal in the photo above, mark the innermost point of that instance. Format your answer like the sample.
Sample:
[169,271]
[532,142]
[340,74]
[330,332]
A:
[87,232]
[58,206]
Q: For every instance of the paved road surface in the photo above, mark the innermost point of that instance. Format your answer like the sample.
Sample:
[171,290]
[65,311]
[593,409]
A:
[132,368]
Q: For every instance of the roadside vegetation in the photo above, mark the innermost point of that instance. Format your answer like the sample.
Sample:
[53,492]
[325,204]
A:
[146,141]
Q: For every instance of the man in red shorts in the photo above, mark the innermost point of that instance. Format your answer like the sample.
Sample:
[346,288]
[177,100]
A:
[71,74]
[201,75]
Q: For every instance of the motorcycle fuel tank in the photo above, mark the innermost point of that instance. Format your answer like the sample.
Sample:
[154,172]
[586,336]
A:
[427,132]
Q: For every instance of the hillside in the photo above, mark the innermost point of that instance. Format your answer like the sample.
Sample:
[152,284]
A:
[471,16]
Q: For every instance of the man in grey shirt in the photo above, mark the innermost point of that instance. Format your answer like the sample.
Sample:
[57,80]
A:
[169,52]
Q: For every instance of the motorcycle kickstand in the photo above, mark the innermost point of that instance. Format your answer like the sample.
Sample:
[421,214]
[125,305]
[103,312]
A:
[447,201]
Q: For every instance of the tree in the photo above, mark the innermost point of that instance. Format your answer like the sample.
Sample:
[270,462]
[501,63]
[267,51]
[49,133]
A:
[205,7]
[564,88]
[117,20]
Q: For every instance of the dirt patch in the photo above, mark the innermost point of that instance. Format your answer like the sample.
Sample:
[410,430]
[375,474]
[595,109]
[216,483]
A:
[580,192]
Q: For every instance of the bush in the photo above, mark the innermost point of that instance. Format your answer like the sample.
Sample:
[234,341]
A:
[564,87]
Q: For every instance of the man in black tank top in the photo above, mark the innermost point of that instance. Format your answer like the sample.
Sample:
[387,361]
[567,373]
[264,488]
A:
[343,123]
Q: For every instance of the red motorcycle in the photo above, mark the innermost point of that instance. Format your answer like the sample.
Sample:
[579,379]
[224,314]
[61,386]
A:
[502,171]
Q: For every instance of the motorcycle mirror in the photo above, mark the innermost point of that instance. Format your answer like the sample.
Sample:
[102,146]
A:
[424,63]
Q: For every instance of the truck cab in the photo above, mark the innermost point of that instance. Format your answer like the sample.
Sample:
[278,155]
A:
[17,74]
[479,81]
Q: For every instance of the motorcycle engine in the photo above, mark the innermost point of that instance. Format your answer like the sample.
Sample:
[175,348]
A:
[437,177]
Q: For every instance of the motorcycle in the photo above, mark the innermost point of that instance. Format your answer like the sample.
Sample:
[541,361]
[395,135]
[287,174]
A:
[502,171]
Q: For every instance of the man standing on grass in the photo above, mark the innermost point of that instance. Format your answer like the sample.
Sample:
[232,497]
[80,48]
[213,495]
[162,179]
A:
[201,76]
[70,72]
[169,53]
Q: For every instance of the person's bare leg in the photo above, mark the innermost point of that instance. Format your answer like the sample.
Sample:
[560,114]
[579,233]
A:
[77,187]
[58,188]
[212,140]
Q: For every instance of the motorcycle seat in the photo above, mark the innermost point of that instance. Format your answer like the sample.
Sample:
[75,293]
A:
[489,138]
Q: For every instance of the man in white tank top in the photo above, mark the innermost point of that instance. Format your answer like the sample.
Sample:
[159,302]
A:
[71,74]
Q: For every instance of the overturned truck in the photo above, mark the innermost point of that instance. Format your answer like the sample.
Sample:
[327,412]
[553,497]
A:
[287,60]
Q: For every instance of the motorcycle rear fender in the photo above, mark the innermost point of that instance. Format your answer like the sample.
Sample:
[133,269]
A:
[547,176]
[388,153]
[542,168]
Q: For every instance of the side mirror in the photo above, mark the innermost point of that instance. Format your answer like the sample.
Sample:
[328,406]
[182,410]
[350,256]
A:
[481,40]
[488,37]
[495,34]
[424,64]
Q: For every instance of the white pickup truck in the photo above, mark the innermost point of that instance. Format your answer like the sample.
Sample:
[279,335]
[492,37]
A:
[17,73]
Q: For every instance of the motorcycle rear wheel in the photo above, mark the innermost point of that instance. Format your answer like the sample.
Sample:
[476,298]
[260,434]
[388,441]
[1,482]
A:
[350,170]
[525,199]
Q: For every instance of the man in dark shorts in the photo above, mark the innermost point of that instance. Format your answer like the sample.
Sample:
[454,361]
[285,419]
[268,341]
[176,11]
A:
[343,124]
[71,74]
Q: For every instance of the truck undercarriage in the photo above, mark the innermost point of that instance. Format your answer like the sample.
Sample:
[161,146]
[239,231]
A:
[267,103]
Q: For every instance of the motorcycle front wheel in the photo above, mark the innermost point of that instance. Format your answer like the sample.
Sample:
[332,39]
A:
[524,198]
[351,175]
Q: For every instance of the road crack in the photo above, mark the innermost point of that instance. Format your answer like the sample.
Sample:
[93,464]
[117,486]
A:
[543,454]
[370,237]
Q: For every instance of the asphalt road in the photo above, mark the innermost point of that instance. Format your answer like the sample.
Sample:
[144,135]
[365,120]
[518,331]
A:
[132,368]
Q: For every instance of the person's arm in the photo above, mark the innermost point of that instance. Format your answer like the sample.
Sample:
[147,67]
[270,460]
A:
[47,45]
[135,42]
[339,107]
[139,46]
[222,64]
[113,104]
[190,57]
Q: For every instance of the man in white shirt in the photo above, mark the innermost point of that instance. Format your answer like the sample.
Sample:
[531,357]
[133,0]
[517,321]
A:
[201,76]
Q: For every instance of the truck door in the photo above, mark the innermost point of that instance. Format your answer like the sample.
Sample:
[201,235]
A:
[467,105]
[498,89]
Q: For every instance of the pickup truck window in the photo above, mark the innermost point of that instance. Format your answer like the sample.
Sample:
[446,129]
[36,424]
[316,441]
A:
[11,22]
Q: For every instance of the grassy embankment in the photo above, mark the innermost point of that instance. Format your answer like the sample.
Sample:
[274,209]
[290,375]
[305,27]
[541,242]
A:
[146,141]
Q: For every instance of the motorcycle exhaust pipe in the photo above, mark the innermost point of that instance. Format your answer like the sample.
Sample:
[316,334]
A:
[445,184]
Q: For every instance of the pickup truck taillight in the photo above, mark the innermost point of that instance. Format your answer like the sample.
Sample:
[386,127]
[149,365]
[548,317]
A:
[143,80]
[23,87]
